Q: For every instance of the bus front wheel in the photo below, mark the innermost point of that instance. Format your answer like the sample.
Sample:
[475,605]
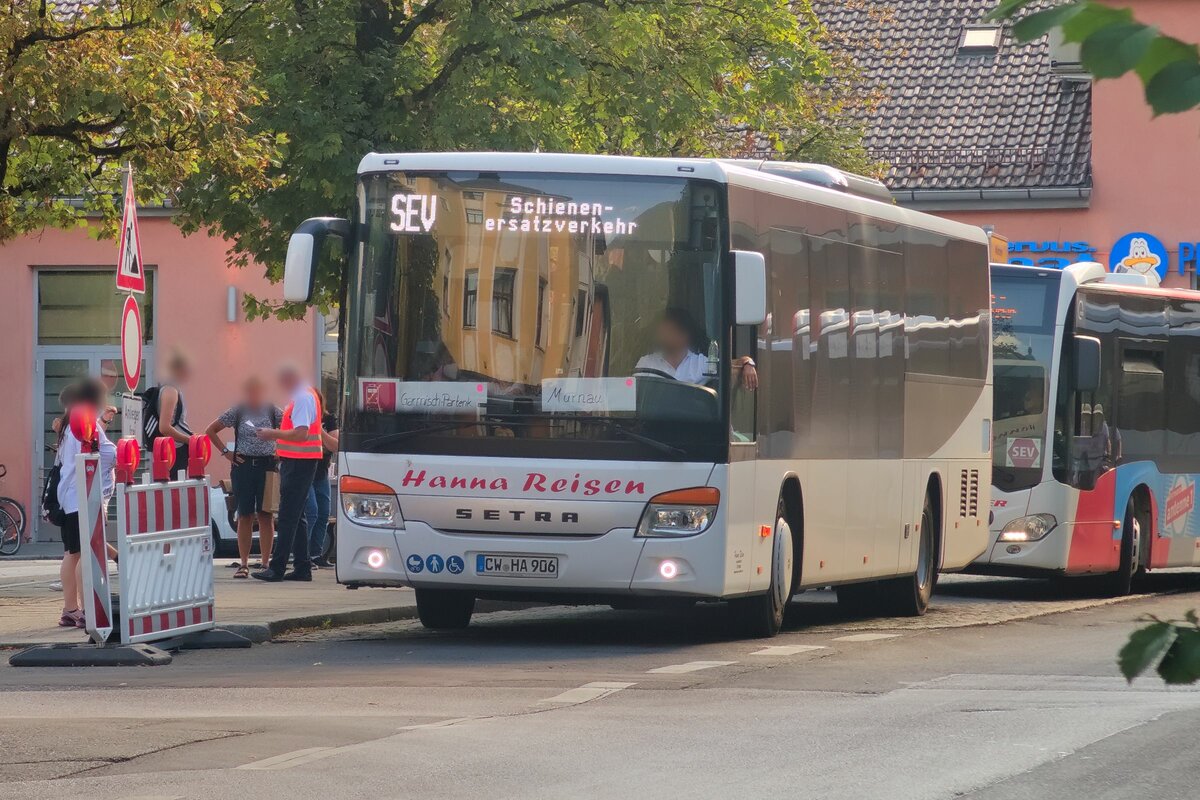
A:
[444,609]
[761,616]
[1120,583]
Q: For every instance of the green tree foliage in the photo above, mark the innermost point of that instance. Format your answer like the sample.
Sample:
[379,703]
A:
[1113,43]
[646,77]
[1171,647]
[87,86]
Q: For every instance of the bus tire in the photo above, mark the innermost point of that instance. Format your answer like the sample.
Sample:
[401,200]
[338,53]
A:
[761,616]
[444,609]
[909,595]
[1120,583]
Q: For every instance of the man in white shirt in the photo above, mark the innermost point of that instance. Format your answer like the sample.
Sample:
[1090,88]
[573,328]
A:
[90,393]
[676,359]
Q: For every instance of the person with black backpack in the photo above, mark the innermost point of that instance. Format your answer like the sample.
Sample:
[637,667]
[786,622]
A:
[164,412]
[251,460]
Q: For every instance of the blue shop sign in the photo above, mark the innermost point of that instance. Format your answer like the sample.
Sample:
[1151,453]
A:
[1134,252]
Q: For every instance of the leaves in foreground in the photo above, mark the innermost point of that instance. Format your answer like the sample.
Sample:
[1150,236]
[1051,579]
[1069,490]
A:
[1171,647]
[1113,43]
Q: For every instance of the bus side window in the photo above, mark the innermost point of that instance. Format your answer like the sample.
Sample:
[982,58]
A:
[742,402]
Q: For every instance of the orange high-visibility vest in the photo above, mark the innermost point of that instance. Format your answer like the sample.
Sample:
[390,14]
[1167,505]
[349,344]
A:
[310,445]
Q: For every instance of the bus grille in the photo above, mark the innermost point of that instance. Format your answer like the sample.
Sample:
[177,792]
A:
[968,498]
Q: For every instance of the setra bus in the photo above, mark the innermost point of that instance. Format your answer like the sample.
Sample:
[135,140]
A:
[627,380]
[1097,425]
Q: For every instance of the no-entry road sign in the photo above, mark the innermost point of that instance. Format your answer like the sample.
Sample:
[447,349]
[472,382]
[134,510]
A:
[131,343]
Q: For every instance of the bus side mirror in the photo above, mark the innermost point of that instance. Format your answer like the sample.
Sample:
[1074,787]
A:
[749,287]
[1087,363]
[304,250]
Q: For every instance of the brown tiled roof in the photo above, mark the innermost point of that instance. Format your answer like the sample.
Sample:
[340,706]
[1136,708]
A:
[951,120]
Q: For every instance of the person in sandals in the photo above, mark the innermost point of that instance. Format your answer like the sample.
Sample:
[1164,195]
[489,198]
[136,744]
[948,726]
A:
[250,458]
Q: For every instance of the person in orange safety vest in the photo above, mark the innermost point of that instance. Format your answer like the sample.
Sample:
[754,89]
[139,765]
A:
[298,446]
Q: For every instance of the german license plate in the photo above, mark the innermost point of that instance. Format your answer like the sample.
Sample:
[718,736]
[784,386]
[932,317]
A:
[516,566]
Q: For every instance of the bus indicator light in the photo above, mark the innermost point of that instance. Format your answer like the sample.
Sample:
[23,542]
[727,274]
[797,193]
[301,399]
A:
[764,531]
[668,569]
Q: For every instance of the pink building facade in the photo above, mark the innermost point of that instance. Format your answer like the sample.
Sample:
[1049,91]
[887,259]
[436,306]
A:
[60,312]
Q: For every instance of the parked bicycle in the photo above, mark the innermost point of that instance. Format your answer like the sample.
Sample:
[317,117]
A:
[12,522]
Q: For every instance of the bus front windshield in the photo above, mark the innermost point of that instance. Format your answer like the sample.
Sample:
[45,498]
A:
[1023,315]
[535,314]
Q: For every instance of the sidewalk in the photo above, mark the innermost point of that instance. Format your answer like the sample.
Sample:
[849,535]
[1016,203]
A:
[29,609]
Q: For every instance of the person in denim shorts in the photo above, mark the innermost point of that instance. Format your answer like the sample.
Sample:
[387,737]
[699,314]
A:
[251,458]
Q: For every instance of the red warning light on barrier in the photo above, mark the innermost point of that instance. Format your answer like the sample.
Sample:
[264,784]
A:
[129,455]
[199,452]
[83,426]
[162,458]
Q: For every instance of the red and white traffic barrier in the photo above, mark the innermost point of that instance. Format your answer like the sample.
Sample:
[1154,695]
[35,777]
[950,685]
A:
[89,487]
[164,541]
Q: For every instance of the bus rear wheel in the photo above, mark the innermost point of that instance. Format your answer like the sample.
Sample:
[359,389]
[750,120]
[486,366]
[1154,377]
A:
[444,609]
[906,596]
[909,596]
[761,616]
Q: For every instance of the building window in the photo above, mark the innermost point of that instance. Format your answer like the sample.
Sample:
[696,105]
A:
[472,195]
[84,307]
[503,289]
[474,216]
[980,39]
[541,313]
[470,298]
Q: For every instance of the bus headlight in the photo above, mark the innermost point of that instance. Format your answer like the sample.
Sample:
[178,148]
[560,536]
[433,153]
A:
[1028,529]
[685,512]
[369,503]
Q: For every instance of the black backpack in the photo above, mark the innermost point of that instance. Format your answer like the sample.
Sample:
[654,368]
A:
[150,416]
[52,510]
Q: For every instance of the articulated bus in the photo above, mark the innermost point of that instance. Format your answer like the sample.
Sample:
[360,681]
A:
[635,381]
[1097,425]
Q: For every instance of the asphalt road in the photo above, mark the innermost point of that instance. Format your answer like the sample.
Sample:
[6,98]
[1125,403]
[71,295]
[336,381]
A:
[1008,689]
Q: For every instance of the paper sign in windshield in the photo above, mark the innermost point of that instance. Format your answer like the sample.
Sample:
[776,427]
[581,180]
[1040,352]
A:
[589,394]
[392,396]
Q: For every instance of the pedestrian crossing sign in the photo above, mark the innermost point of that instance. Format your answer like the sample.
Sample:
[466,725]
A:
[131,272]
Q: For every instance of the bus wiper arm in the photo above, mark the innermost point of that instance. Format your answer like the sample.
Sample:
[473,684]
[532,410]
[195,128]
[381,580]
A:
[399,436]
[649,441]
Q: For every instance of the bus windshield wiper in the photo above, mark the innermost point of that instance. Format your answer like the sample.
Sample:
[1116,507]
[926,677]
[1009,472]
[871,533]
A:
[399,436]
[649,441]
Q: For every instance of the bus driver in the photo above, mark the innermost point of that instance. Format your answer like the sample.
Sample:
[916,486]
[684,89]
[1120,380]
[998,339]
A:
[676,359]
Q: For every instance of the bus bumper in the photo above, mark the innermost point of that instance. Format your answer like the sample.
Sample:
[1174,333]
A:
[614,564]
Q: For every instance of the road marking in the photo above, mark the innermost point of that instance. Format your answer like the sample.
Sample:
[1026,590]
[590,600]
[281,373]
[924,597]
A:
[691,666]
[866,637]
[787,649]
[444,723]
[587,692]
[293,759]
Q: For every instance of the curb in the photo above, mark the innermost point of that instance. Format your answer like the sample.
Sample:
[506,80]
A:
[337,619]
[260,632]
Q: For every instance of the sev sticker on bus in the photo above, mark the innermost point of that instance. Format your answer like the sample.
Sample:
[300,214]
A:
[1023,453]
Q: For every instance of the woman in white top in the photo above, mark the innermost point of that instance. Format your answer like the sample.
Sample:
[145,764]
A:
[91,393]
[676,359]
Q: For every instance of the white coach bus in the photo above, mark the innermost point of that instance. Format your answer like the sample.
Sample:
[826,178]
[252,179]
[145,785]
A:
[627,380]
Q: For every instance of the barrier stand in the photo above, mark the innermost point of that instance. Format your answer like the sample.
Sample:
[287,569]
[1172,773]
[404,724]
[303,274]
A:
[165,544]
[97,594]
